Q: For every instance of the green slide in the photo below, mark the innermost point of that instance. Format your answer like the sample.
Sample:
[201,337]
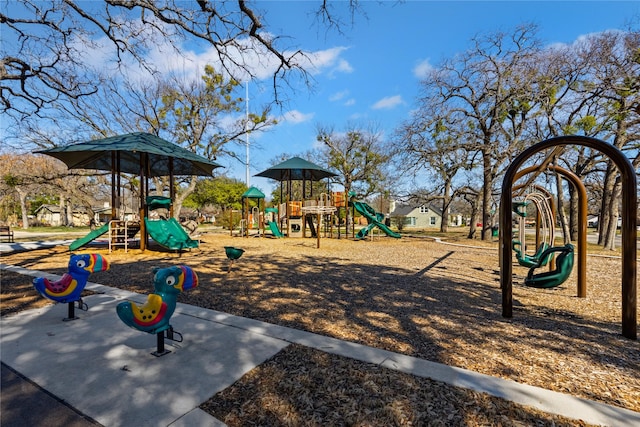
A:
[170,234]
[94,234]
[274,229]
[374,219]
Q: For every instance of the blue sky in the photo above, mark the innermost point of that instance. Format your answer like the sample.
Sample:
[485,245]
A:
[371,73]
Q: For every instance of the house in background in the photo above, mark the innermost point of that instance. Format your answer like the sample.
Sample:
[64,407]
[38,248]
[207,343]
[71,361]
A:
[52,215]
[49,215]
[423,216]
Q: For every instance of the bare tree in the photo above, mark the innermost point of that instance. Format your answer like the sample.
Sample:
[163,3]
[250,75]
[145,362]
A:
[428,145]
[617,73]
[359,156]
[26,175]
[48,44]
[487,94]
[193,113]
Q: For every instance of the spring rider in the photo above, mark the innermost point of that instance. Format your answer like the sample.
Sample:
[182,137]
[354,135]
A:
[70,286]
[154,316]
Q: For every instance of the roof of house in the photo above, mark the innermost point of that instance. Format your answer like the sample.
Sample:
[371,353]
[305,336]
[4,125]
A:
[401,210]
[56,209]
[50,208]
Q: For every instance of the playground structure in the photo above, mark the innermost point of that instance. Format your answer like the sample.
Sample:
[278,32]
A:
[319,216]
[294,216]
[155,315]
[167,232]
[270,219]
[374,219]
[252,217]
[119,234]
[323,210]
[140,154]
[69,288]
[629,224]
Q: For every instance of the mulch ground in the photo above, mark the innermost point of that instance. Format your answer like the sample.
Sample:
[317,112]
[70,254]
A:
[412,296]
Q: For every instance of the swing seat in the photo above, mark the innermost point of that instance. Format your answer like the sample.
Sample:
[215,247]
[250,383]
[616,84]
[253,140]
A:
[535,260]
[551,279]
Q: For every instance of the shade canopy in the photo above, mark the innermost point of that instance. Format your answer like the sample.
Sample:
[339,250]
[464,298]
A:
[135,150]
[296,169]
[253,193]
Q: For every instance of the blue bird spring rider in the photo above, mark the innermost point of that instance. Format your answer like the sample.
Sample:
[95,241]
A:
[154,316]
[70,286]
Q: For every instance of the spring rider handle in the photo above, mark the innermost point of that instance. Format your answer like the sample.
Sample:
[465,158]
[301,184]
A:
[155,315]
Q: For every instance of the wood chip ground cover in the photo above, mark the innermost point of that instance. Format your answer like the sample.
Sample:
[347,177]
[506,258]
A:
[412,296]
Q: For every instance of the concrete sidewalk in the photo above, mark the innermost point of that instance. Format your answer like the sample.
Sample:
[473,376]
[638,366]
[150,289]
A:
[6,248]
[105,370]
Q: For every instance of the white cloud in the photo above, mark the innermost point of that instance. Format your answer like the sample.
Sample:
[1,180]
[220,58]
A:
[582,38]
[338,95]
[422,69]
[342,96]
[295,117]
[388,103]
[343,66]
[328,59]
[188,59]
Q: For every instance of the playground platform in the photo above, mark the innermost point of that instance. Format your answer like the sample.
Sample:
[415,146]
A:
[106,373]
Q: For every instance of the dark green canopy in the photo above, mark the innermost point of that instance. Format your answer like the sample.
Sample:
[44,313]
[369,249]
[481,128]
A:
[296,169]
[253,193]
[128,153]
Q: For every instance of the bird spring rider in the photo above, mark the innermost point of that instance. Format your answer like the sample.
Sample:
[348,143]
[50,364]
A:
[153,317]
[70,286]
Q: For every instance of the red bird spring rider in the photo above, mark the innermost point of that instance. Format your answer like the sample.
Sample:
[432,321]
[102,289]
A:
[70,286]
[153,317]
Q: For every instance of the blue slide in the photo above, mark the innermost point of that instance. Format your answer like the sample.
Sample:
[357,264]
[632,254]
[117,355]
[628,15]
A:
[374,219]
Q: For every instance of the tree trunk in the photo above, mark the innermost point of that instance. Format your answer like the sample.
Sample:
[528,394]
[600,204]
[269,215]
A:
[179,199]
[446,201]
[69,210]
[23,207]
[607,199]
[612,227]
[475,216]
[485,233]
[63,210]
[573,213]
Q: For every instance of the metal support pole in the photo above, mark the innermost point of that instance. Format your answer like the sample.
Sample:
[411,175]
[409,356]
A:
[160,347]
[71,312]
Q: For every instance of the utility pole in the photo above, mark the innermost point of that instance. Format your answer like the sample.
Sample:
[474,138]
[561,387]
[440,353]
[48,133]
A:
[246,128]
